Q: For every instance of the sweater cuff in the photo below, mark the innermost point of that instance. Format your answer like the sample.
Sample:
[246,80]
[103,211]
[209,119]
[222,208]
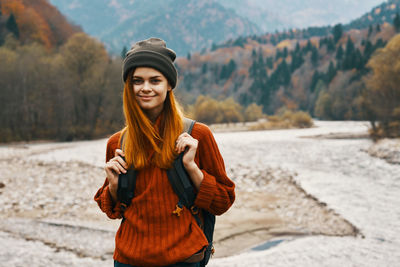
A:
[206,191]
[112,209]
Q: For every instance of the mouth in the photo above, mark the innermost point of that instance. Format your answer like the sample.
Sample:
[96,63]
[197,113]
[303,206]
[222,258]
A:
[146,97]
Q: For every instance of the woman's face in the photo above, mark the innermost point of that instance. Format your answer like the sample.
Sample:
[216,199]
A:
[150,88]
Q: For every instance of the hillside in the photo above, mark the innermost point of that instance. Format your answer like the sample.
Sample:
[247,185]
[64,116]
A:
[271,15]
[185,25]
[34,21]
[383,13]
[319,70]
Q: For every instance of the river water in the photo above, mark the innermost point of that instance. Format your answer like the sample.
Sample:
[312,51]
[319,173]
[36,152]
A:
[365,190]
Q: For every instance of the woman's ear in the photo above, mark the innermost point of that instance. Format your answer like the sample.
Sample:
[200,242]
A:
[169,88]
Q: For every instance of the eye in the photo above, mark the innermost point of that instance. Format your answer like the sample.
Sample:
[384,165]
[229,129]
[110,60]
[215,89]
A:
[137,81]
[155,81]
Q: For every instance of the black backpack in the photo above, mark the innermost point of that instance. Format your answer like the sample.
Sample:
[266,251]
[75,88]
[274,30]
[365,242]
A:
[182,186]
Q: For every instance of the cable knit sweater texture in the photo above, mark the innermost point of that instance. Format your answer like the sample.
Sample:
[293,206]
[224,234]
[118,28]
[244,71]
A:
[151,235]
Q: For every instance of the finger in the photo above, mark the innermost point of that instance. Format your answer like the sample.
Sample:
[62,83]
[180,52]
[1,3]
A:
[185,144]
[119,152]
[111,171]
[116,167]
[180,145]
[119,166]
[122,162]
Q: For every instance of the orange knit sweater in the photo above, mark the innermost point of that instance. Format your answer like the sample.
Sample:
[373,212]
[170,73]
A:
[151,235]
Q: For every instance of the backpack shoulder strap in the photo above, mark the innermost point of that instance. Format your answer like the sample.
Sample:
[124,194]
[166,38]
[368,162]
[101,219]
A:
[178,176]
[188,125]
[181,183]
[126,184]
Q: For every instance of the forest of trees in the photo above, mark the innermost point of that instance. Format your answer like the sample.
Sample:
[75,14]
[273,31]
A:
[73,92]
[62,84]
[55,81]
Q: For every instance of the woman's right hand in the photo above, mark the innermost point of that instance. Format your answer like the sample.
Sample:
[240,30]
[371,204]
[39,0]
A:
[114,167]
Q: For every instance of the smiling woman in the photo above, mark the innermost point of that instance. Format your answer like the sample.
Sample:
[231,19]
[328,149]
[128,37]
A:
[154,232]
[150,87]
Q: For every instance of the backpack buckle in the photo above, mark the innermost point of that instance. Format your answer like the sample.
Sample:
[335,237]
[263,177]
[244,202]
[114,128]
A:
[194,210]
[178,209]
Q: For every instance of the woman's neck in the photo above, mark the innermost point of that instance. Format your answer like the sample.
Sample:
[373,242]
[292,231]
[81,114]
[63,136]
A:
[153,114]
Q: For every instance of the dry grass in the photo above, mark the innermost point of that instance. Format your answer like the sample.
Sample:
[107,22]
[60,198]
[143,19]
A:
[287,120]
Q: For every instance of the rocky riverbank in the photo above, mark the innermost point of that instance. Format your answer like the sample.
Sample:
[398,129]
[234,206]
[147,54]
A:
[387,149]
[49,218]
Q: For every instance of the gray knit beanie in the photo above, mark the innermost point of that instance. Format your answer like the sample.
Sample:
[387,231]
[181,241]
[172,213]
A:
[152,53]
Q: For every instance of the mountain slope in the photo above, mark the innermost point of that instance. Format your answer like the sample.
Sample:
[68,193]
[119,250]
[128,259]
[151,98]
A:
[322,74]
[271,15]
[380,14]
[186,25]
[38,21]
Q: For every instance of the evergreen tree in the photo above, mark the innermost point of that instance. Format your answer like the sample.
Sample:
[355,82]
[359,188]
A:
[358,60]
[204,68]
[337,32]
[330,45]
[260,58]
[283,73]
[273,40]
[285,52]
[189,56]
[278,54]
[339,53]
[314,56]
[228,69]
[123,52]
[322,41]
[297,61]
[308,47]
[370,30]
[231,66]
[270,62]
[396,22]
[258,90]
[12,26]
[351,57]
[369,49]
[297,49]
[378,27]
[314,80]
[331,73]
[253,53]
[239,42]
[349,47]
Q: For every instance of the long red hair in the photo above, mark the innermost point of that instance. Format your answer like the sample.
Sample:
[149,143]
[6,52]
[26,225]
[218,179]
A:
[141,138]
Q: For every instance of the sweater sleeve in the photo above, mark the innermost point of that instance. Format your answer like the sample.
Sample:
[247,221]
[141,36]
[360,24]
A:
[103,196]
[217,192]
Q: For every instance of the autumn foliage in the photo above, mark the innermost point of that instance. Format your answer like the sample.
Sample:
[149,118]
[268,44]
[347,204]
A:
[38,21]
[73,93]
[381,99]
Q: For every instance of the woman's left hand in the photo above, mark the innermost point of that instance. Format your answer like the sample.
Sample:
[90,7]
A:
[186,142]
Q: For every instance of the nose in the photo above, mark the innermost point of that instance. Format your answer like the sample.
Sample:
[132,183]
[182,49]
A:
[146,86]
